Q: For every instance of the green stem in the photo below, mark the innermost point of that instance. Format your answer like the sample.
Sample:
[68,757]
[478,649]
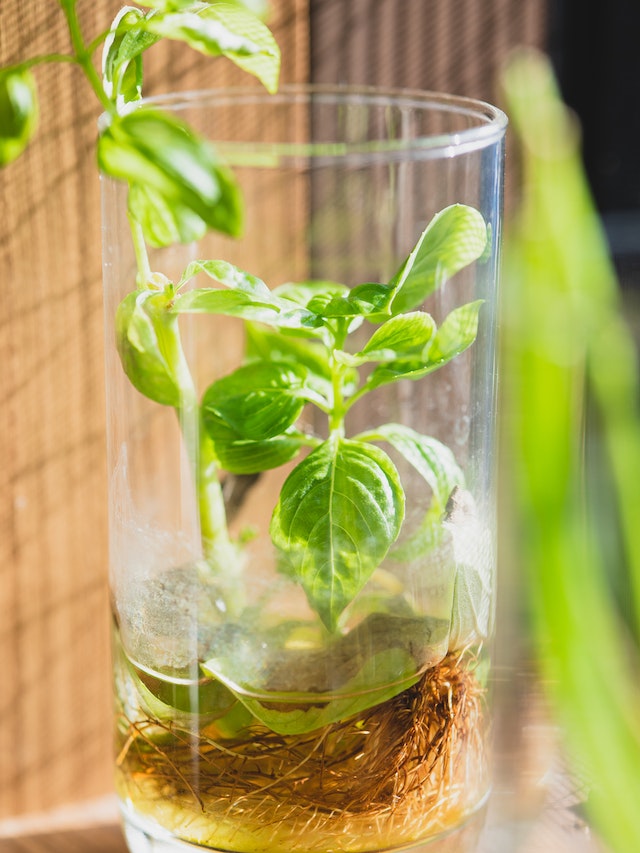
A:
[213,526]
[337,413]
[41,59]
[140,249]
[359,394]
[83,55]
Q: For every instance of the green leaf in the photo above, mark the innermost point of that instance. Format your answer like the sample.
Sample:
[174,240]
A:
[361,301]
[258,401]
[402,337]
[230,303]
[457,332]
[261,304]
[339,511]
[263,344]
[164,223]
[148,147]
[455,237]
[432,459]
[230,276]
[245,456]
[472,608]
[305,292]
[18,113]
[121,56]
[145,335]
[223,29]
[287,716]
[258,7]
[168,5]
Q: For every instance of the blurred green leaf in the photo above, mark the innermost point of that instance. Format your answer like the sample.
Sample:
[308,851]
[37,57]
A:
[564,329]
[18,113]
[163,222]
[223,29]
[148,147]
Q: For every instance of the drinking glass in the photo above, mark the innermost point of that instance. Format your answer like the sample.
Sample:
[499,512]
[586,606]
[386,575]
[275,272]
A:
[302,547]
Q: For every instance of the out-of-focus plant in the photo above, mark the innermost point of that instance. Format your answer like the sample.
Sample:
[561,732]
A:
[574,375]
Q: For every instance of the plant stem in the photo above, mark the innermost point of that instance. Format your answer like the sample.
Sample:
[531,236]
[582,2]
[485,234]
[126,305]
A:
[41,59]
[337,413]
[140,249]
[213,526]
[83,56]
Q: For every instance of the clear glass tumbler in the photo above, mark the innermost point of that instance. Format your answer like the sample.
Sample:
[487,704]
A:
[302,535]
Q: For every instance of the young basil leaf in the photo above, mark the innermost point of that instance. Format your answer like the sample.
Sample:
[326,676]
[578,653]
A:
[240,455]
[230,276]
[145,334]
[457,332]
[304,292]
[18,113]
[223,29]
[455,237]
[432,459]
[402,337]
[262,305]
[148,147]
[168,5]
[360,301]
[339,512]
[258,401]
[164,223]
[230,303]
[258,7]
[121,56]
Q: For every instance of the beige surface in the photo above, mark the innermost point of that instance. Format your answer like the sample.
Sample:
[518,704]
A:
[55,729]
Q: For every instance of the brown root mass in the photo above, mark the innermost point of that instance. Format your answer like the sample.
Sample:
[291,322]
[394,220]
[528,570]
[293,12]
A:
[419,753]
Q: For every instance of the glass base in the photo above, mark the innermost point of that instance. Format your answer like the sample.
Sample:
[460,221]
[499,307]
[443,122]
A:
[145,836]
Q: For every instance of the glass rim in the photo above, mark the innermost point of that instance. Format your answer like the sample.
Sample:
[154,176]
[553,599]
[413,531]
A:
[489,128]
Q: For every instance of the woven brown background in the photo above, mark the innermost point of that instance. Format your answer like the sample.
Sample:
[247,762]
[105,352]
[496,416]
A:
[55,728]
